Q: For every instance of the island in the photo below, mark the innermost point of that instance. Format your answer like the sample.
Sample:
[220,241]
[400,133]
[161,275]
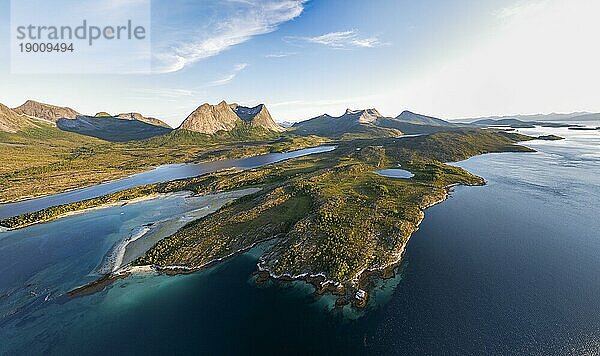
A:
[550,138]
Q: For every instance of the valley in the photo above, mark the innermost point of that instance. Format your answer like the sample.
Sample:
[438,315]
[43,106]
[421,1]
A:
[40,159]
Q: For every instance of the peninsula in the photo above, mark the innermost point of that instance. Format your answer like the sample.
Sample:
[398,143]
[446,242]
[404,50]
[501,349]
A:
[332,220]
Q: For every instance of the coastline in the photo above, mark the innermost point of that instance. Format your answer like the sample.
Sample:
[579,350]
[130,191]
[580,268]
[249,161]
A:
[99,207]
[356,294]
[117,262]
[115,257]
[149,168]
[351,288]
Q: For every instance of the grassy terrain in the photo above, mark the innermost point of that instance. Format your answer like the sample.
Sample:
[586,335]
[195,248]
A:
[45,160]
[330,214]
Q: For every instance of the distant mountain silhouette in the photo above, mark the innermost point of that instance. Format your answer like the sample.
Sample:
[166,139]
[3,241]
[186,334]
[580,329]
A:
[111,128]
[45,111]
[371,123]
[140,117]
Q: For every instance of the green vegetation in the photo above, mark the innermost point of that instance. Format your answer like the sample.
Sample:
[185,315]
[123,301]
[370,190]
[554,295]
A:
[45,160]
[329,214]
[111,128]
[59,210]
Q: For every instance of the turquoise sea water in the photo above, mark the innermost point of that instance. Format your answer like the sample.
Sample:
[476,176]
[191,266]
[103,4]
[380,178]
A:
[512,267]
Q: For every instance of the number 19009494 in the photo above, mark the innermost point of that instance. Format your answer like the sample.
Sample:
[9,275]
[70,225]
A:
[46,47]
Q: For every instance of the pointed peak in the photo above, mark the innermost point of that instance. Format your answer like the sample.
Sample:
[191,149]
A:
[258,116]
[414,118]
[210,119]
[371,112]
[248,113]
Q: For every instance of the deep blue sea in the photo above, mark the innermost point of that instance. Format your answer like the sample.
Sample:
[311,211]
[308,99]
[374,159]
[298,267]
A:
[512,267]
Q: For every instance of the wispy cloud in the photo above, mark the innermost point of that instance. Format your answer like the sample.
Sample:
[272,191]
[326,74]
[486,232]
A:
[521,8]
[165,92]
[188,96]
[280,55]
[229,77]
[225,80]
[240,66]
[249,18]
[343,40]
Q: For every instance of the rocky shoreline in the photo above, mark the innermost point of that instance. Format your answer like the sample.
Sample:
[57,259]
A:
[356,294]
[328,223]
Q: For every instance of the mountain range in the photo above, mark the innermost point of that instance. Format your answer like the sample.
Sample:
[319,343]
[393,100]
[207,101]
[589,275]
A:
[121,127]
[240,121]
[574,116]
[206,119]
[371,122]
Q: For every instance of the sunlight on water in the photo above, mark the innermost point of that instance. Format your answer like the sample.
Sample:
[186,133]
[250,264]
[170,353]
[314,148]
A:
[510,267]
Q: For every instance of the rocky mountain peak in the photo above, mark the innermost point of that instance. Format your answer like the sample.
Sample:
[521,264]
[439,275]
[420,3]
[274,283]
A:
[419,119]
[11,121]
[210,119]
[365,116]
[258,116]
[45,111]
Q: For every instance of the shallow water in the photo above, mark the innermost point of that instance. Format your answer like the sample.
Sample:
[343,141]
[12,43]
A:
[507,268]
[159,174]
[395,173]
[42,262]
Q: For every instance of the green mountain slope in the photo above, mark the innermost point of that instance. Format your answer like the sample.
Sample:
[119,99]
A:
[112,129]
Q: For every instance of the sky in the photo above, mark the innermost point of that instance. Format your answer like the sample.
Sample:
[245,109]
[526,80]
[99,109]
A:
[450,59]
